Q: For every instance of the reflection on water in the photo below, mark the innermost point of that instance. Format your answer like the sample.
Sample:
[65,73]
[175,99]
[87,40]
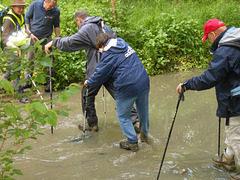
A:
[67,154]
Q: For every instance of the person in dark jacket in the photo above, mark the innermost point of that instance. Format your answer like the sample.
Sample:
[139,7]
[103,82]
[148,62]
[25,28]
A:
[13,36]
[120,62]
[85,38]
[224,75]
[42,18]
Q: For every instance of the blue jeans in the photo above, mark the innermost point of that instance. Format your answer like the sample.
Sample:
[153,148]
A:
[124,115]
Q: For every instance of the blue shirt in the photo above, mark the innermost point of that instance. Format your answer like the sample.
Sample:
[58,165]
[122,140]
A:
[42,21]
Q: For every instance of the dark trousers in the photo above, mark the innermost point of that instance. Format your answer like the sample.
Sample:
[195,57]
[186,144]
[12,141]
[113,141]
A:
[90,108]
[8,73]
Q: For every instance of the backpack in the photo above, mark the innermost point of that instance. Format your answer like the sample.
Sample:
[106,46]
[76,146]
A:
[106,29]
[3,12]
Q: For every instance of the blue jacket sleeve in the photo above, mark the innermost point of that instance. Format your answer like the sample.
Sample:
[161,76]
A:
[56,22]
[29,14]
[218,70]
[102,73]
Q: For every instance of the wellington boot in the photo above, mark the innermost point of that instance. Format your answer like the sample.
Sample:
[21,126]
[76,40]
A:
[129,146]
[143,137]
[234,176]
[224,162]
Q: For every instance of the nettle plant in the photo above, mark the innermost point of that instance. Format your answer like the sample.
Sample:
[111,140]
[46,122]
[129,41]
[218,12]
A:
[22,122]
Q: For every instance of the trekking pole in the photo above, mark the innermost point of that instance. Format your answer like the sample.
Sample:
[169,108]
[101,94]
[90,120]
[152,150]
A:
[219,135]
[85,113]
[37,90]
[40,97]
[181,97]
[105,113]
[50,73]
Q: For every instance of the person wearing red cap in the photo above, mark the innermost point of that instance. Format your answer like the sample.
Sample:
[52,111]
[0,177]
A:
[223,74]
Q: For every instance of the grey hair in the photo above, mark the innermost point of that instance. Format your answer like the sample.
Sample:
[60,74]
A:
[81,14]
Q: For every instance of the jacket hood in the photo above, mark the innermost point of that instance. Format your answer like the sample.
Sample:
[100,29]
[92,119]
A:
[117,45]
[231,38]
[93,19]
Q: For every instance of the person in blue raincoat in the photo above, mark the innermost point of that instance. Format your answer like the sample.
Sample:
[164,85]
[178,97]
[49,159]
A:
[120,62]
[224,75]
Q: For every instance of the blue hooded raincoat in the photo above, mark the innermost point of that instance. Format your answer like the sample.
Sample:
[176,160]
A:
[120,61]
[223,73]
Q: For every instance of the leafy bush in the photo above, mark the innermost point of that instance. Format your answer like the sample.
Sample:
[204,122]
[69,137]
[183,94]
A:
[166,36]
[19,123]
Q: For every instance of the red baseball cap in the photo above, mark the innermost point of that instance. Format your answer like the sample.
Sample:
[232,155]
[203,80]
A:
[211,26]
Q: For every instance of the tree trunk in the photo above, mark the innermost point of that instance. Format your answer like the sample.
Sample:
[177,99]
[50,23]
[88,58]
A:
[114,12]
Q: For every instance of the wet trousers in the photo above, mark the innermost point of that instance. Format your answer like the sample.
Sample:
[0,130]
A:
[90,108]
[233,136]
[124,115]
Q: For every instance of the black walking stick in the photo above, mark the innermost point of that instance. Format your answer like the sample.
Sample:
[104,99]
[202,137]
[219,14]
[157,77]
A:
[105,112]
[219,134]
[181,97]
[85,113]
[50,74]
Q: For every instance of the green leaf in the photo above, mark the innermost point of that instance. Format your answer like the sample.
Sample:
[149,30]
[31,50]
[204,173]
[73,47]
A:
[38,43]
[41,78]
[63,97]
[28,107]
[28,147]
[46,62]
[26,134]
[62,113]
[11,111]
[40,107]
[72,91]
[38,117]
[7,86]
[18,172]
[51,118]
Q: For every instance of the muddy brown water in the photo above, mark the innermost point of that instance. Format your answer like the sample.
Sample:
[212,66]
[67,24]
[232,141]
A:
[67,155]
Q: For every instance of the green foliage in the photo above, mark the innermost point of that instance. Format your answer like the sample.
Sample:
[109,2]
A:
[166,36]
[19,123]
